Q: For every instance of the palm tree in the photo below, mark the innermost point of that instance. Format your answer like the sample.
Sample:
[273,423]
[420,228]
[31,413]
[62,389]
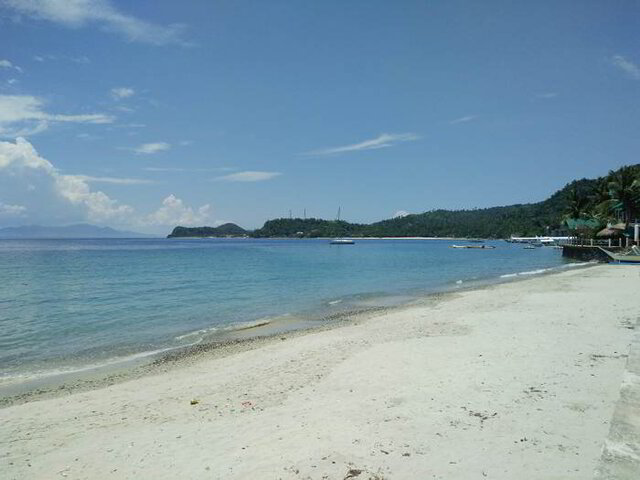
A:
[601,204]
[576,203]
[624,189]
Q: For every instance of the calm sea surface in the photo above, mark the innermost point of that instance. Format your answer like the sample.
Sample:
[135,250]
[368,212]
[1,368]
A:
[68,304]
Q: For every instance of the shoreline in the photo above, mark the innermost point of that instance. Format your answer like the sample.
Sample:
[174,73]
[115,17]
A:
[513,380]
[223,343]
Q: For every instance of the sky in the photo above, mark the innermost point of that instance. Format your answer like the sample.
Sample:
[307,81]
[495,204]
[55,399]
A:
[150,114]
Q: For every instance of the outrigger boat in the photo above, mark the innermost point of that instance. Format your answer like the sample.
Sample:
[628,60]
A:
[481,247]
[631,256]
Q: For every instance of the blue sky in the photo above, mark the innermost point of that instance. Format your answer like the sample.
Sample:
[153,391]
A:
[148,114]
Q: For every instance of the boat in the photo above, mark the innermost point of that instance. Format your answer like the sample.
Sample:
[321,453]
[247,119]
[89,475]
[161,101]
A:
[342,241]
[529,247]
[630,256]
[480,247]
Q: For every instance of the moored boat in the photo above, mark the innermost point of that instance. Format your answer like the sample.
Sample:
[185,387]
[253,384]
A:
[342,241]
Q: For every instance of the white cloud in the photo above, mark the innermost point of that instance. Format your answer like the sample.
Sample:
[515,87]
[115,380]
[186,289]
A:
[382,141]
[400,214]
[21,158]
[151,148]
[8,64]
[181,169]
[546,95]
[465,119]
[249,176]
[80,13]
[12,210]
[55,198]
[174,212]
[116,180]
[122,92]
[626,66]
[22,115]
[124,109]
[82,60]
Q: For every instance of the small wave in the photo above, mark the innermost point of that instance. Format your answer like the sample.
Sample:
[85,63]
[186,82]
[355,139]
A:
[577,264]
[529,272]
[41,374]
[545,270]
[335,302]
[196,333]
[235,327]
[459,282]
[509,275]
[535,272]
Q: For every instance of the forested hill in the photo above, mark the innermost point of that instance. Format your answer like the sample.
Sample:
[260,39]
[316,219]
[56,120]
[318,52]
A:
[599,200]
[543,218]
[226,230]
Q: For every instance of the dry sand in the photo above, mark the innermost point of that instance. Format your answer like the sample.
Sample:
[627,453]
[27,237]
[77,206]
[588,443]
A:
[514,381]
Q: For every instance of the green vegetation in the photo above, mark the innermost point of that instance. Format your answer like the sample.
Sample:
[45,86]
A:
[592,202]
[586,204]
[226,230]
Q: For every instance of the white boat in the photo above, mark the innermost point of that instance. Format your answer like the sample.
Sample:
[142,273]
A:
[342,241]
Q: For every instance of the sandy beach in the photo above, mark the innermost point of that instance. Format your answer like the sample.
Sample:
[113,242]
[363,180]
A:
[518,380]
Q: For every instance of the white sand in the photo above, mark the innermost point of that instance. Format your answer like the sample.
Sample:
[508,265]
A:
[516,381]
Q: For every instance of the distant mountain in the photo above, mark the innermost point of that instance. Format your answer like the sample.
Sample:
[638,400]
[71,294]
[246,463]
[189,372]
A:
[226,230]
[82,230]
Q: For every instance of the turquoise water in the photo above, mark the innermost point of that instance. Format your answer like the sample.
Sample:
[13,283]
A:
[66,304]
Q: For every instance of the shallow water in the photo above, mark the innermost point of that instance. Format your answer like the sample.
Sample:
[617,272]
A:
[66,305]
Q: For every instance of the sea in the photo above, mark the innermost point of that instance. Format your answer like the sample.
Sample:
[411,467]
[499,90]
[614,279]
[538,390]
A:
[76,305]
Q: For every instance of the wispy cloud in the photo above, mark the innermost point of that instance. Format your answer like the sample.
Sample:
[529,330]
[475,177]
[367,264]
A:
[122,92]
[248,176]
[465,119]
[115,180]
[12,210]
[151,148]
[80,13]
[627,66]
[8,64]
[384,140]
[546,95]
[181,169]
[82,60]
[22,115]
